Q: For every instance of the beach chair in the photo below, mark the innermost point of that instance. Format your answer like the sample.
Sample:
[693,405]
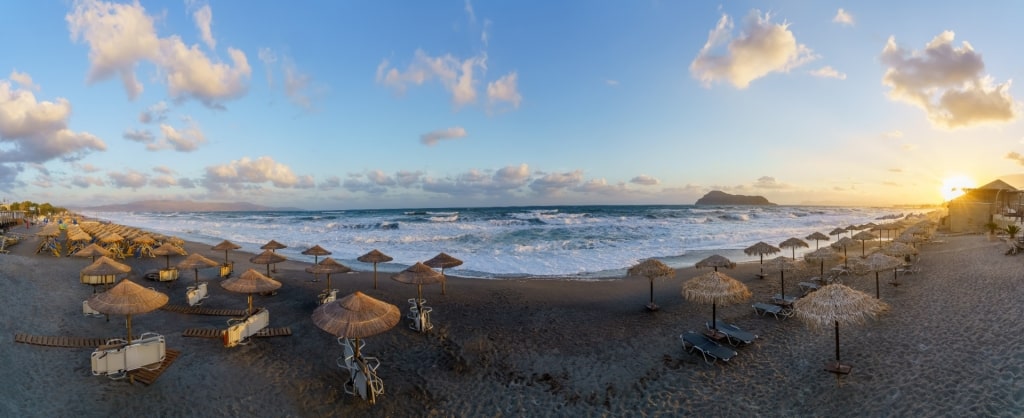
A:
[88,310]
[735,335]
[240,329]
[708,348]
[116,358]
[420,319]
[808,287]
[326,296]
[364,382]
[196,294]
[763,309]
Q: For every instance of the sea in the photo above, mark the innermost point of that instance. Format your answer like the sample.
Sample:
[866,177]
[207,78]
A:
[575,242]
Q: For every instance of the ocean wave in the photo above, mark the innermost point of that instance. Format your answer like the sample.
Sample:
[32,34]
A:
[449,218]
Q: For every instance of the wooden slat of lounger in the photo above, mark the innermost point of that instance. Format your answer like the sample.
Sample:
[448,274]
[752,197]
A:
[274,332]
[59,341]
[147,377]
[201,332]
[199,310]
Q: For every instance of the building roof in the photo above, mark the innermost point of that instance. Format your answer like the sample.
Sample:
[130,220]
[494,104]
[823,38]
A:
[997,185]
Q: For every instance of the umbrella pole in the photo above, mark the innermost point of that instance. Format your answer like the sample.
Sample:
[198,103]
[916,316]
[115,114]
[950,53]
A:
[374,275]
[838,364]
[268,270]
[355,349]
[328,282]
[444,282]
[419,295]
[129,324]
[652,291]
[197,277]
[714,314]
[762,265]
[782,280]
[877,294]
[250,304]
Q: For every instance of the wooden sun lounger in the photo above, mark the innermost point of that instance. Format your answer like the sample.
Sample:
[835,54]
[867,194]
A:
[763,309]
[735,335]
[708,348]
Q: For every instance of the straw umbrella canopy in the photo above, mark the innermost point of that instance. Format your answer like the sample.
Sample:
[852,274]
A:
[316,251]
[761,248]
[167,250]
[715,261]
[328,266]
[356,316]
[716,288]
[837,231]
[251,282]
[111,238]
[144,239]
[817,236]
[127,298]
[443,261]
[419,274]
[835,305]
[195,262]
[898,249]
[782,264]
[267,257]
[793,243]
[822,255]
[105,266]
[877,262]
[92,250]
[374,257]
[225,246]
[651,269]
[273,246]
[843,243]
[863,237]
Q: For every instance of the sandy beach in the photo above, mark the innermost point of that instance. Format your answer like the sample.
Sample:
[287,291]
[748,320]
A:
[949,346]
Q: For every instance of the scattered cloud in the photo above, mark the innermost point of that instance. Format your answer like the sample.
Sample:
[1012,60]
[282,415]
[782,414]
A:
[187,139]
[1015,156]
[554,183]
[947,83]
[469,12]
[408,178]
[85,167]
[456,75]
[613,83]
[645,180]
[249,172]
[828,72]
[767,182]
[300,87]
[762,47]
[120,36]
[601,186]
[432,138]
[36,131]
[129,179]
[204,19]
[908,147]
[155,113]
[895,170]
[505,90]
[139,135]
[330,183]
[87,181]
[162,169]
[163,181]
[843,18]
[894,134]
[24,80]
[269,58]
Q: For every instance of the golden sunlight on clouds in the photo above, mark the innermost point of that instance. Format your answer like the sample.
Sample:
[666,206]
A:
[953,187]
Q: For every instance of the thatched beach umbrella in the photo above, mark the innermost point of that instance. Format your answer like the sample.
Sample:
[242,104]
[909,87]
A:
[127,298]
[443,261]
[715,261]
[92,250]
[761,248]
[822,255]
[267,257]
[837,231]
[835,305]
[328,266]
[898,249]
[374,257]
[316,251]
[782,264]
[251,282]
[877,262]
[273,246]
[105,266]
[195,262]
[843,243]
[817,236]
[357,316]
[167,250]
[419,274]
[226,246]
[793,243]
[651,269]
[863,237]
[716,288]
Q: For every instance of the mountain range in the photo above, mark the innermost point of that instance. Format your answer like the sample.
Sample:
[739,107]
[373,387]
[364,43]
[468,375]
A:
[184,206]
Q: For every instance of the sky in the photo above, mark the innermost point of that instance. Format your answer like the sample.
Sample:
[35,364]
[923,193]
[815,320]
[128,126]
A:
[385,104]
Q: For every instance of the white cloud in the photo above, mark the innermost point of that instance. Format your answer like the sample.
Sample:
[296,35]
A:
[129,179]
[408,178]
[269,58]
[86,181]
[248,171]
[432,138]
[24,80]
[894,134]
[122,35]
[299,87]
[761,48]
[155,113]
[162,169]
[601,186]
[505,90]
[330,183]
[512,176]
[553,183]
[947,83]
[305,182]
[85,167]
[187,139]
[613,83]
[909,147]
[379,178]
[204,19]
[485,36]
[163,181]
[139,135]
[457,76]
[645,180]
[843,18]
[828,72]
[1015,156]
[469,12]
[38,131]
[767,182]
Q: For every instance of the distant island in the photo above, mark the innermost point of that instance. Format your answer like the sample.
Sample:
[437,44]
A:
[184,206]
[717,197]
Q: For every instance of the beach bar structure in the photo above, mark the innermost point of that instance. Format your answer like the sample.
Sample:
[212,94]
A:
[9,218]
[981,205]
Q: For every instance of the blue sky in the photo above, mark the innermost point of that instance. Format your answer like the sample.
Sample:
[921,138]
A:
[333,105]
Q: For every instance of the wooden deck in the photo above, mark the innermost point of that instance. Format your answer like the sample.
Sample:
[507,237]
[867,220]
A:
[215,332]
[147,377]
[59,341]
[199,310]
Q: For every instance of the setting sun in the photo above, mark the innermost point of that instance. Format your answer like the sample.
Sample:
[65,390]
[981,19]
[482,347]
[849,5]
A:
[953,187]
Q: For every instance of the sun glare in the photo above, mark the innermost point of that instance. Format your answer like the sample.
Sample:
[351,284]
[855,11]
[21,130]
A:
[953,187]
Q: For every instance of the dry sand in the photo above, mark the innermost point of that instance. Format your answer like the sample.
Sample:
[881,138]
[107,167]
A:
[951,345]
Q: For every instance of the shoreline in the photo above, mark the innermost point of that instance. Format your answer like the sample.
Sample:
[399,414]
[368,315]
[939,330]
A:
[536,347]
